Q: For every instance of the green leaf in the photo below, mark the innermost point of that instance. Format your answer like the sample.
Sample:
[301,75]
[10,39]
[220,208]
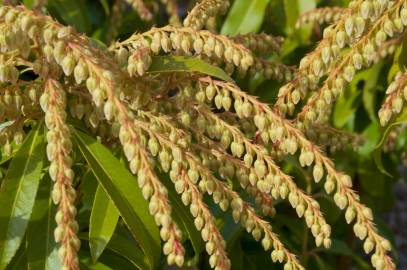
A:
[42,252]
[124,246]
[347,104]
[377,153]
[121,187]
[18,191]
[370,90]
[72,12]
[127,249]
[244,17]
[103,220]
[88,187]
[19,261]
[171,64]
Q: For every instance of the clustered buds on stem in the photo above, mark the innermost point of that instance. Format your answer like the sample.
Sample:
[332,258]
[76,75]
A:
[142,10]
[191,142]
[396,96]
[262,44]
[348,30]
[204,10]
[362,54]
[187,41]
[53,103]
[291,139]
[320,16]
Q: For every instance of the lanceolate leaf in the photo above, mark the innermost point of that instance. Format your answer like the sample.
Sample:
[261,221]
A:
[41,247]
[18,191]
[162,64]
[124,246]
[121,187]
[103,221]
[244,17]
[19,261]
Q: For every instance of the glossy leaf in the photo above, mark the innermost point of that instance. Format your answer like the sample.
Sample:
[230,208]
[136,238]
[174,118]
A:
[18,192]
[244,17]
[103,221]
[42,251]
[121,187]
[127,249]
[162,64]
[19,261]
[124,246]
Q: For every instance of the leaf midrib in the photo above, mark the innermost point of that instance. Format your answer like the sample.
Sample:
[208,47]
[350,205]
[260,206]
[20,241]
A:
[19,188]
[104,171]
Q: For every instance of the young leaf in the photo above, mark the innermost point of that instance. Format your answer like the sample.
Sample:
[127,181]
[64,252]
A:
[18,191]
[121,187]
[103,220]
[244,17]
[162,64]
[42,250]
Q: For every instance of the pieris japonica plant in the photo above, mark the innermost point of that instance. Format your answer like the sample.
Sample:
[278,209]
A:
[203,134]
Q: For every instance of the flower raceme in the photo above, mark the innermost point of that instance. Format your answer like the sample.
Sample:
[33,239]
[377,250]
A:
[208,133]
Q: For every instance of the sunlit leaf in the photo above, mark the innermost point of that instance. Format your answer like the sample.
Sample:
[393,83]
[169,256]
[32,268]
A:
[18,191]
[103,221]
[172,64]
[121,187]
[244,17]
[41,247]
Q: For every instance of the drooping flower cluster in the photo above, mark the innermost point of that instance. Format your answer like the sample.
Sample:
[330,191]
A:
[320,16]
[396,96]
[204,134]
[59,148]
[354,25]
[361,55]
[204,10]
[141,9]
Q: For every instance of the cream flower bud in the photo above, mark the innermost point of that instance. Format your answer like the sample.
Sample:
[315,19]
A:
[295,96]
[365,9]
[368,245]
[329,184]
[340,200]
[360,231]
[349,73]
[179,260]
[397,105]
[357,61]
[389,28]
[108,110]
[341,38]
[68,65]
[326,54]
